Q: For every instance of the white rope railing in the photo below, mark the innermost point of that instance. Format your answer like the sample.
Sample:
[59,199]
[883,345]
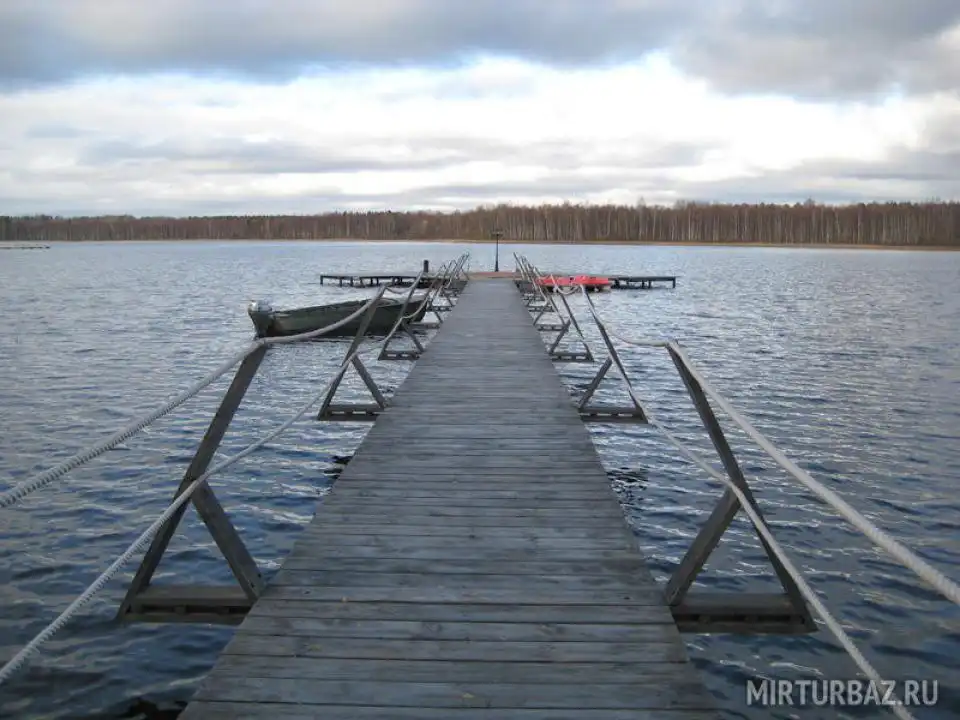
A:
[923,569]
[18,660]
[808,593]
[31,648]
[24,488]
[907,557]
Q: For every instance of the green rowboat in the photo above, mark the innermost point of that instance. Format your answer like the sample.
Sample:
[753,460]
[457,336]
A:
[273,323]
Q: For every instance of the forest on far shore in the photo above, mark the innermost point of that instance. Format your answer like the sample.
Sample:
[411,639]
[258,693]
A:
[930,224]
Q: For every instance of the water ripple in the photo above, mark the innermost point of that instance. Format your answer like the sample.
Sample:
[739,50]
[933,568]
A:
[849,361]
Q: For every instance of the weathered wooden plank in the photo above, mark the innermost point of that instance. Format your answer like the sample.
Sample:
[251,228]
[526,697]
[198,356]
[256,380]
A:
[541,673]
[462,612]
[327,526]
[471,561]
[631,568]
[495,542]
[517,593]
[534,584]
[445,694]
[456,650]
[335,506]
[427,521]
[480,631]
[478,497]
[206,710]
[443,549]
[518,466]
[431,432]
[484,457]
[390,471]
[559,482]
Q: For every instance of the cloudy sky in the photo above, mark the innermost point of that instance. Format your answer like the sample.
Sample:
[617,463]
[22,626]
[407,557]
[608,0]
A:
[223,106]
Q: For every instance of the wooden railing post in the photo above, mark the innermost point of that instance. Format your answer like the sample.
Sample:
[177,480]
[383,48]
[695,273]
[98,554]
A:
[241,563]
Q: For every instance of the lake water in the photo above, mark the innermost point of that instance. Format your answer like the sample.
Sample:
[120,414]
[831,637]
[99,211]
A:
[849,360]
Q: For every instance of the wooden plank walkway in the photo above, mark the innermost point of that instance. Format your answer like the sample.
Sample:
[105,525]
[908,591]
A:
[471,562]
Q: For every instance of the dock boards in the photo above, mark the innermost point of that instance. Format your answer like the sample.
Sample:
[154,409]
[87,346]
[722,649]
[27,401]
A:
[472,561]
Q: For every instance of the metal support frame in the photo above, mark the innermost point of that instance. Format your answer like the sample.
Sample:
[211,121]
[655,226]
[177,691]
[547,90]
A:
[556,354]
[403,325]
[602,413]
[225,604]
[790,607]
[537,300]
[546,304]
[355,411]
[449,288]
[632,413]
[367,412]
[702,611]
[138,603]
[451,282]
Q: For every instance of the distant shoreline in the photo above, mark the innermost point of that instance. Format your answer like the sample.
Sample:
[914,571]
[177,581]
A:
[17,244]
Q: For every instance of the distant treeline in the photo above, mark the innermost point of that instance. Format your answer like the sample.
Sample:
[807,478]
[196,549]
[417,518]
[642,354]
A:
[895,224]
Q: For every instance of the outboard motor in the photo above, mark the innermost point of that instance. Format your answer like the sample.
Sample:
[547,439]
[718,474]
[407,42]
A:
[261,313]
[259,306]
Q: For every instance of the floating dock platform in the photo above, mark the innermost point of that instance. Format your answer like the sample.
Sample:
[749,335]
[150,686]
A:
[373,279]
[621,282]
[376,279]
[641,282]
[471,561]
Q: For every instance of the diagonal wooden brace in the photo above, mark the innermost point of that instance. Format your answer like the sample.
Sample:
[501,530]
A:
[725,510]
[241,563]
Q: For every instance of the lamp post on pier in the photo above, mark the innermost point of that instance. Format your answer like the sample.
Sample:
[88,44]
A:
[496,235]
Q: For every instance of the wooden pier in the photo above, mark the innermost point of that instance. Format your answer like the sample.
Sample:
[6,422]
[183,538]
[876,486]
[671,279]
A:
[625,282]
[472,561]
[374,279]
[641,282]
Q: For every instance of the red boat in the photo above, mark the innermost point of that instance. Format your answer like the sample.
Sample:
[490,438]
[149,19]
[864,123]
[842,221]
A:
[591,283]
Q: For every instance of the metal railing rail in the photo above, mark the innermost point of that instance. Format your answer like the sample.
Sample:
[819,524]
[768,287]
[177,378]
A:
[366,412]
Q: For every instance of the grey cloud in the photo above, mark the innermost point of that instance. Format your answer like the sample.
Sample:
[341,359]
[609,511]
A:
[261,158]
[54,131]
[914,177]
[239,157]
[41,42]
[825,48]
[817,48]
[174,176]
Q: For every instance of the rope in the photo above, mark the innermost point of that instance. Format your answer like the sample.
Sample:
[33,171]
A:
[825,615]
[828,619]
[927,572]
[64,617]
[25,487]
[18,660]
[924,570]
[947,587]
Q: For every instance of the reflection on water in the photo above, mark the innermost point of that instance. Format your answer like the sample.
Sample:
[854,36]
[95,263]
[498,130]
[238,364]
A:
[849,360]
